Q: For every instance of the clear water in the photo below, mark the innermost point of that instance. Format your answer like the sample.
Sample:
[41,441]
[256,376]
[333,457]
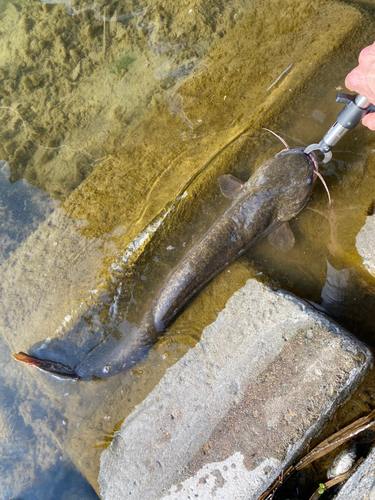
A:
[108,159]
[76,79]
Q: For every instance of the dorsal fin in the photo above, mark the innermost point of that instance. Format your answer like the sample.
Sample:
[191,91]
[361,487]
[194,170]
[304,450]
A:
[230,185]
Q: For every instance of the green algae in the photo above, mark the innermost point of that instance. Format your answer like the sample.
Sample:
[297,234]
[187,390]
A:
[122,65]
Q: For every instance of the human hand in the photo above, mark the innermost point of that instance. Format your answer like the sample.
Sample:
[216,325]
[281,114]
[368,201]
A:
[362,80]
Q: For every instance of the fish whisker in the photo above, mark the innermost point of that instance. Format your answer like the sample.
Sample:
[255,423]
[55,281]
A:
[280,138]
[325,187]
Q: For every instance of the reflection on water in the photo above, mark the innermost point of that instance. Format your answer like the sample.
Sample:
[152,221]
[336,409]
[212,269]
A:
[333,291]
[22,208]
[60,482]
[126,113]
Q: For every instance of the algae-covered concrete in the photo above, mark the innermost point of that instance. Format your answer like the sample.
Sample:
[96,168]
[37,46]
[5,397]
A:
[100,70]
[228,418]
[154,161]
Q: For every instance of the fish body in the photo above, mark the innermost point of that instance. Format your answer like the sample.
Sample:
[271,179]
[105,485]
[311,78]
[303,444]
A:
[275,194]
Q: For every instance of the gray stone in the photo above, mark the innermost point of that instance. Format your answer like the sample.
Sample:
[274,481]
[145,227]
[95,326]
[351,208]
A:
[365,244]
[240,406]
[361,485]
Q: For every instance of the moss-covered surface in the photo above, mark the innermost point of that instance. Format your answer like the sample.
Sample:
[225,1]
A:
[65,97]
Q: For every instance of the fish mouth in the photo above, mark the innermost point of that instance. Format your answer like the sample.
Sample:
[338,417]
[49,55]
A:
[314,160]
[311,156]
[315,164]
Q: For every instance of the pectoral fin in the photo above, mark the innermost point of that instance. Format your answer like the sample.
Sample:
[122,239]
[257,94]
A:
[230,185]
[282,238]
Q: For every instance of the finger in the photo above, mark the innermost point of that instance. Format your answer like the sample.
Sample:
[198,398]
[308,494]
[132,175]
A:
[354,80]
[366,53]
[369,121]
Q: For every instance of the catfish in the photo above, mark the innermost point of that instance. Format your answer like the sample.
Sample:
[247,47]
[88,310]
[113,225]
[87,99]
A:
[275,194]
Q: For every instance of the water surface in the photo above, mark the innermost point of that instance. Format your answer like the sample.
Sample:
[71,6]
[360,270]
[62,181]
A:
[120,117]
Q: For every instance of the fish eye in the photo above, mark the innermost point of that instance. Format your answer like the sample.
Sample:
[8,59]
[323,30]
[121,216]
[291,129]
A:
[106,369]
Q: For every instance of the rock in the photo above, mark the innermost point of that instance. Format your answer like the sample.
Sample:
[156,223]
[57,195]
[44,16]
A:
[361,485]
[365,243]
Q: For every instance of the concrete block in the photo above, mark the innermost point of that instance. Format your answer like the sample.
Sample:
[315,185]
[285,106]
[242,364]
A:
[361,485]
[365,244]
[231,415]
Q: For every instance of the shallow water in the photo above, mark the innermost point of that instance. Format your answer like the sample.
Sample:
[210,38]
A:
[100,118]
[325,249]
[72,88]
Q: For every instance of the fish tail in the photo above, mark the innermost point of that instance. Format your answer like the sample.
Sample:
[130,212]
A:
[54,368]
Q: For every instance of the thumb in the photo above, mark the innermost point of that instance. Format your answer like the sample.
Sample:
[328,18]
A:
[369,121]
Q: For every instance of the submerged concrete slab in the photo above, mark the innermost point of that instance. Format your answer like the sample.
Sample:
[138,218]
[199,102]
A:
[240,406]
[361,485]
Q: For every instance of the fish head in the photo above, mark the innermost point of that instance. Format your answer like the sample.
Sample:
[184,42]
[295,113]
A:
[296,176]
